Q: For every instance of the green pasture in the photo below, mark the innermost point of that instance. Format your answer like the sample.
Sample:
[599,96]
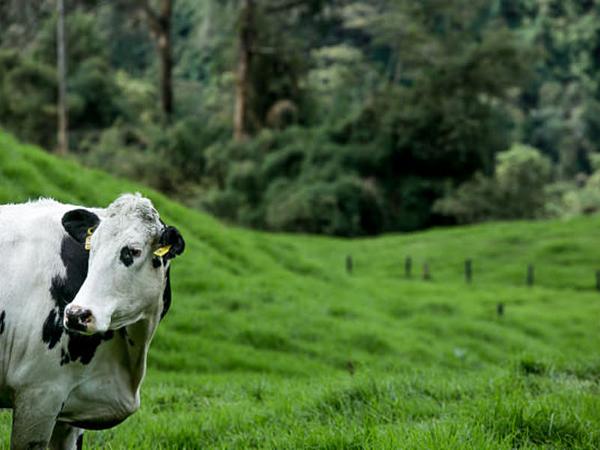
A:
[271,344]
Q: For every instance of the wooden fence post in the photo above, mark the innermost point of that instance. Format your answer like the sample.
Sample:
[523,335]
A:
[500,309]
[530,275]
[349,264]
[407,267]
[468,270]
[426,272]
[598,280]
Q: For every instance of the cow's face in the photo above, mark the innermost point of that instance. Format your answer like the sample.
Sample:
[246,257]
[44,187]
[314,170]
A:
[129,254]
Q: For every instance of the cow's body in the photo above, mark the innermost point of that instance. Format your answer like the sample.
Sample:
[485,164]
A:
[60,381]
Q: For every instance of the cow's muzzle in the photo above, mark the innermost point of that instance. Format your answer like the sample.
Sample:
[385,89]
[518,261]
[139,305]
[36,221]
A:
[80,320]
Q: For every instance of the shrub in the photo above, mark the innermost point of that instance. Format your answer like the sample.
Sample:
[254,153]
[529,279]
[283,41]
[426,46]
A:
[291,180]
[568,199]
[95,97]
[517,189]
[346,207]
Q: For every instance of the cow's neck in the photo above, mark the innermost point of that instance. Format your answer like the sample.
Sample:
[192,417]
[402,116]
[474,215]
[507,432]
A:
[137,344]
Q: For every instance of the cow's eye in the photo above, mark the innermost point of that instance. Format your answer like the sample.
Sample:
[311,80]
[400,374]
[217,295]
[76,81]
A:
[127,255]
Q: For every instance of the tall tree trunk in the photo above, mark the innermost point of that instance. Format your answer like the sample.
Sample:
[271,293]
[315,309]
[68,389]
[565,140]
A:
[160,26]
[63,138]
[166,58]
[242,88]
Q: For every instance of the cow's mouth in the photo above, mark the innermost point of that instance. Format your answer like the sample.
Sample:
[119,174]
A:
[79,329]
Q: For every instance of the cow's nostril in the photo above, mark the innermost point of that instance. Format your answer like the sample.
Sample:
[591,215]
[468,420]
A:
[85,316]
[77,318]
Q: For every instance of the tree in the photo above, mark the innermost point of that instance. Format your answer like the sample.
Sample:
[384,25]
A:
[28,97]
[560,106]
[242,86]
[256,51]
[63,140]
[159,22]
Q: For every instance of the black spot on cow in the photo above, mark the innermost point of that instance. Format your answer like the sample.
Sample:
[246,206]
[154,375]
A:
[156,262]
[82,348]
[63,290]
[126,256]
[52,330]
[166,295]
[79,445]
[2,323]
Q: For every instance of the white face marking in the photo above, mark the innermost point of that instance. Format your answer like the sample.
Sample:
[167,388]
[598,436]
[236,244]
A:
[122,284]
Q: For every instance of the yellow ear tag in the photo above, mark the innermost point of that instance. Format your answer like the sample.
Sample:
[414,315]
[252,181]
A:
[88,239]
[162,251]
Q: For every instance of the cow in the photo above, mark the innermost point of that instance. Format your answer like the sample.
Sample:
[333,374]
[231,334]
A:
[82,291]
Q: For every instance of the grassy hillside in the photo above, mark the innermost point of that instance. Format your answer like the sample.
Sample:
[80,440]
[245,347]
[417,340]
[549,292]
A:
[271,344]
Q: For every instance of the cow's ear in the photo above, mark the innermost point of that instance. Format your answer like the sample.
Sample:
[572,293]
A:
[171,238]
[77,223]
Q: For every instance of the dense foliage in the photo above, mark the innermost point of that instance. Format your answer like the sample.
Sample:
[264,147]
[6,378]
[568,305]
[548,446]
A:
[515,191]
[358,116]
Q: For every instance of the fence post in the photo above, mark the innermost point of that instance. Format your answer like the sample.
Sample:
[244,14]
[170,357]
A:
[500,309]
[349,264]
[530,275]
[426,272]
[598,280]
[468,270]
[407,267]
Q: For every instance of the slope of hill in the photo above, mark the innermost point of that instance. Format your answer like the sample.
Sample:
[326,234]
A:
[271,344]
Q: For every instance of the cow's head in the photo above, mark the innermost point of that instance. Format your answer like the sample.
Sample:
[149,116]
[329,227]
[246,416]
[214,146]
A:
[130,249]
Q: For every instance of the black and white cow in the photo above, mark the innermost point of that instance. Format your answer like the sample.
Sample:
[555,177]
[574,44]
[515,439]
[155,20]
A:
[82,291]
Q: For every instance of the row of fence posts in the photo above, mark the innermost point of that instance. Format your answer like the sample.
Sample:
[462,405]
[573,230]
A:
[408,265]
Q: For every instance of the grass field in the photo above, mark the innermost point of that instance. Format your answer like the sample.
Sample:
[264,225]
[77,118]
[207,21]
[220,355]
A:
[271,344]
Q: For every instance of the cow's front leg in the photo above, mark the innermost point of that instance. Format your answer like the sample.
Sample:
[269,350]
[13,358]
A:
[66,437]
[34,417]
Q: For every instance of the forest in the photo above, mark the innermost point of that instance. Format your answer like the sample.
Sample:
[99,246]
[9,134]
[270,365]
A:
[339,117]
